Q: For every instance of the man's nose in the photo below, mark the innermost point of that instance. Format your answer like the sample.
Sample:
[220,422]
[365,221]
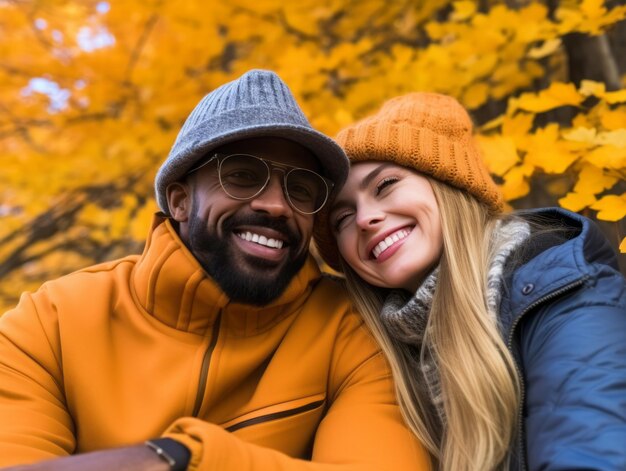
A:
[272,200]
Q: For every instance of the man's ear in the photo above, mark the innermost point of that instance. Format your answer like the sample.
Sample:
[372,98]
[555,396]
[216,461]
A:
[178,196]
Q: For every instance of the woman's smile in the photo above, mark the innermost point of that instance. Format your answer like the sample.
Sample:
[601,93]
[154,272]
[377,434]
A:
[389,241]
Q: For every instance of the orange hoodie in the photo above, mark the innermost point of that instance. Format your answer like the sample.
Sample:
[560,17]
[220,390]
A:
[149,345]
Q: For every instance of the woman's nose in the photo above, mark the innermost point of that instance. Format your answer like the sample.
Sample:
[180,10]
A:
[369,218]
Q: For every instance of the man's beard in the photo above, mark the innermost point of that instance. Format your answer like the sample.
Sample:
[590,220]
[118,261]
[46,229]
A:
[216,256]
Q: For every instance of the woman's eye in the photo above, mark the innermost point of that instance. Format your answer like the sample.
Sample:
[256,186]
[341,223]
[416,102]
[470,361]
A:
[384,183]
[340,220]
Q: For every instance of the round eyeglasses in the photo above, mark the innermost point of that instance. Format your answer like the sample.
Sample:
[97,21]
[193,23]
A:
[244,176]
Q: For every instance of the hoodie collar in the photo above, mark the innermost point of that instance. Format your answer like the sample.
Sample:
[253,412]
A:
[172,287]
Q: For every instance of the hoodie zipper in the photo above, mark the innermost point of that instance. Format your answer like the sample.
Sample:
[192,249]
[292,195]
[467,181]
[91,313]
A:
[206,363]
[552,295]
[275,415]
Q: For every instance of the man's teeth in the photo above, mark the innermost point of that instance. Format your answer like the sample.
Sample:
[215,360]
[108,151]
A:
[389,241]
[261,240]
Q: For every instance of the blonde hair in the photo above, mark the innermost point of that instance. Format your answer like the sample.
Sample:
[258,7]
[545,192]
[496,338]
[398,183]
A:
[479,379]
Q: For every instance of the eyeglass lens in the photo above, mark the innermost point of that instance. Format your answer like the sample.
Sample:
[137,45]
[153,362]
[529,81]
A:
[244,176]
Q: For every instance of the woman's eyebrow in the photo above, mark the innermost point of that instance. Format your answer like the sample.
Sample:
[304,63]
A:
[373,174]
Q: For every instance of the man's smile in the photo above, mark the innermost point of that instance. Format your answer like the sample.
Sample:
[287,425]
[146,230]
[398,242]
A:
[262,243]
[260,239]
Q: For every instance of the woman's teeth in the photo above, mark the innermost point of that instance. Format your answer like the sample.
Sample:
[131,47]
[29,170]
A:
[389,241]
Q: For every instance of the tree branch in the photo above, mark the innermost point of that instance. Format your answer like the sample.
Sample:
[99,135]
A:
[141,42]
[607,63]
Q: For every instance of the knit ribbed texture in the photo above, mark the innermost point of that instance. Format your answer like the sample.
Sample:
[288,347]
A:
[406,320]
[427,132]
[430,133]
[257,104]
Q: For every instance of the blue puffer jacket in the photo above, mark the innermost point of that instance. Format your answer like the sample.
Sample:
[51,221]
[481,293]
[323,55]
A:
[564,319]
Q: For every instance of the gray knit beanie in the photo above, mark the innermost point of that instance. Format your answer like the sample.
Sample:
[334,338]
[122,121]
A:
[257,104]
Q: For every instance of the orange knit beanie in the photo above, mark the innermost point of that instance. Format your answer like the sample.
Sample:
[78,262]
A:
[427,132]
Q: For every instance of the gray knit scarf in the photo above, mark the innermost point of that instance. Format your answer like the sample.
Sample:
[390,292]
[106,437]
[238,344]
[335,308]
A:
[406,316]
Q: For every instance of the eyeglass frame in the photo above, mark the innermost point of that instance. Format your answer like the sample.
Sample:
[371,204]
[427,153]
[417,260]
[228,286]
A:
[271,166]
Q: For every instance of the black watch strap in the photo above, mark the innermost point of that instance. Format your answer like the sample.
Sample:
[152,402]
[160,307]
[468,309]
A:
[174,453]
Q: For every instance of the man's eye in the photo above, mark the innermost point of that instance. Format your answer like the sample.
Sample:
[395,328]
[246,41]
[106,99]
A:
[385,183]
[301,192]
[241,177]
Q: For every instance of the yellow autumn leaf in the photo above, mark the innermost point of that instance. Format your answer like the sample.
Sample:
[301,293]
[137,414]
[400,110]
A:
[615,138]
[577,201]
[622,246]
[593,180]
[596,16]
[499,153]
[608,156]
[581,120]
[402,57]
[463,10]
[554,159]
[343,117]
[581,134]
[592,88]
[547,48]
[534,12]
[475,95]
[92,214]
[613,119]
[518,127]
[546,151]
[483,65]
[119,221]
[558,94]
[615,97]
[592,8]
[611,207]
[129,202]
[492,124]
[516,182]
[138,228]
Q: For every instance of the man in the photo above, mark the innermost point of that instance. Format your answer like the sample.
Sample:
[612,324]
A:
[221,347]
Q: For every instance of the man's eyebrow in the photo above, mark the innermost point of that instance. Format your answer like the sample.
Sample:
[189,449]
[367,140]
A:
[373,174]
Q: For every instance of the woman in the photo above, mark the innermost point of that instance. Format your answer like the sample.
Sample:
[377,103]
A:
[506,334]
